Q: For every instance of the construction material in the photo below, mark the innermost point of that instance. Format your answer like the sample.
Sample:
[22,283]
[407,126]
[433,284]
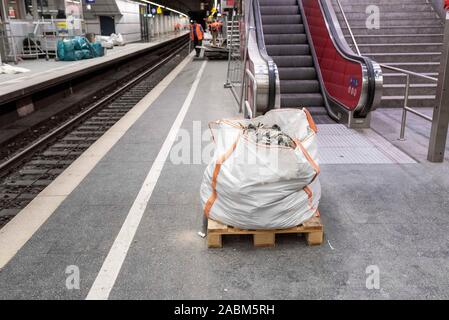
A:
[78,48]
[264,174]
[117,39]
[7,69]
[312,229]
[106,42]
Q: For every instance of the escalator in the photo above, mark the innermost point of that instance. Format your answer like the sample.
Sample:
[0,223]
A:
[286,42]
[305,61]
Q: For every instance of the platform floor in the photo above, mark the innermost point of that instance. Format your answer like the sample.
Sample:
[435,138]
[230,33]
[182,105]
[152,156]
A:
[390,214]
[42,70]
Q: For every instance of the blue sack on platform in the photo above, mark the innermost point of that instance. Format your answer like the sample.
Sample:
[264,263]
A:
[76,43]
[98,49]
[69,51]
[79,54]
[60,50]
[87,54]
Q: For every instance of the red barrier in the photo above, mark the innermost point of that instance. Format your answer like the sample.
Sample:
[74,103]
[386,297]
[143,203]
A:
[342,78]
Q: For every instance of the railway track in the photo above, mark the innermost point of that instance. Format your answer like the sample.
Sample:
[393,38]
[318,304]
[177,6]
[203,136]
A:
[25,174]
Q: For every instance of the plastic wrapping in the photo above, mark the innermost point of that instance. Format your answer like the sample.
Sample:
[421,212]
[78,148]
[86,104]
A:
[256,186]
[78,48]
[98,49]
[117,39]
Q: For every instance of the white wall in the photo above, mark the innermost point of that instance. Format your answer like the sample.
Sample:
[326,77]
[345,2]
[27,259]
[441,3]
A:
[129,23]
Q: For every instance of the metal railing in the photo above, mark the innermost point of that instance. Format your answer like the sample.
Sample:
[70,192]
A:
[235,66]
[406,108]
[349,28]
[407,73]
[250,111]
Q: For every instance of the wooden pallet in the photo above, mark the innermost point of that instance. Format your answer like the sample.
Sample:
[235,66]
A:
[313,230]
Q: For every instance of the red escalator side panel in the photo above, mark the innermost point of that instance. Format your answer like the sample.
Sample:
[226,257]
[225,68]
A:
[342,78]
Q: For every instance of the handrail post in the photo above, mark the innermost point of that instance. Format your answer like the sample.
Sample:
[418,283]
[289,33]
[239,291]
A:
[404,111]
[349,28]
[440,123]
[231,50]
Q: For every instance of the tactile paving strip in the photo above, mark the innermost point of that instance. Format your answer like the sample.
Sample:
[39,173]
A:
[340,145]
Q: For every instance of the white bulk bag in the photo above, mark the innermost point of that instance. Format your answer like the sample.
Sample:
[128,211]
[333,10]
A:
[117,39]
[254,186]
[106,42]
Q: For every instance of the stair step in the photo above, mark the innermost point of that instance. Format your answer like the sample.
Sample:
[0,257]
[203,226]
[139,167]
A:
[405,57]
[413,102]
[416,89]
[398,78]
[418,67]
[401,47]
[395,38]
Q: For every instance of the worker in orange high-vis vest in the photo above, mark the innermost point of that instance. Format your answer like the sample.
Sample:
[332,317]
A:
[197,36]
[214,30]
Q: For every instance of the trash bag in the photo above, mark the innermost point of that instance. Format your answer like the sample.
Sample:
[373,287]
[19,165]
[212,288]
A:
[76,43]
[69,51]
[98,49]
[60,50]
[79,55]
[264,173]
[106,42]
[84,44]
[117,39]
[87,54]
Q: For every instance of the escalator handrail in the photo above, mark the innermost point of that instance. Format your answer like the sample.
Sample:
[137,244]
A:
[264,55]
[348,54]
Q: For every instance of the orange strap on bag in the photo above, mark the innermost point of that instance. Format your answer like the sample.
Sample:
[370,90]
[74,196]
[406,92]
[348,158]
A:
[312,123]
[220,161]
[309,193]
[312,162]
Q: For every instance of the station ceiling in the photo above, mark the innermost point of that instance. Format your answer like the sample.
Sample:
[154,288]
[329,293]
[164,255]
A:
[185,5]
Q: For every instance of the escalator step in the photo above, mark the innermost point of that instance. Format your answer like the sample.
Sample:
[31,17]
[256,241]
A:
[283,29]
[271,39]
[297,73]
[279,10]
[297,100]
[288,50]
[278,2]
[300,86]
[274,19]
[287,44]
[293,61]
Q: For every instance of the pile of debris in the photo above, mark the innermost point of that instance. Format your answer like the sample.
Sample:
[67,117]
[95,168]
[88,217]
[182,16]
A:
[268,135]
